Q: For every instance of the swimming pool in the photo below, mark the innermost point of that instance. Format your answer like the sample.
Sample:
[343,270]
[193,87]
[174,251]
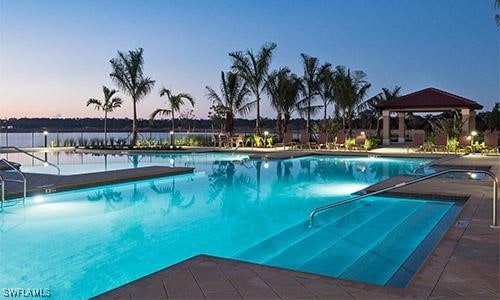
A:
[84,242]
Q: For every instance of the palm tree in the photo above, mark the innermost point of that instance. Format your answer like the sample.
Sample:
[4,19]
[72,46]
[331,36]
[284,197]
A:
[372,103]
[285,89]
[233,97]
[108,105]
[253,68]
[310,88]
[350,90]
[175,102]
[128,75]
[497,16]
[326,80]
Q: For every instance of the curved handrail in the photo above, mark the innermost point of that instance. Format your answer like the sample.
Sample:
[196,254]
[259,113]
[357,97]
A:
[35,157]
[2,199]
[18,172]
[402,184]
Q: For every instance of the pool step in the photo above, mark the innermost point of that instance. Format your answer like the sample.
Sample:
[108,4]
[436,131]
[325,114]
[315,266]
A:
[277,243]
[303,250]
[340,255]
[380,263]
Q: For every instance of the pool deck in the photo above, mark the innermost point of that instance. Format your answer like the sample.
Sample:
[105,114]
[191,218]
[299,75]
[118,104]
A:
[45,183]
[464,265]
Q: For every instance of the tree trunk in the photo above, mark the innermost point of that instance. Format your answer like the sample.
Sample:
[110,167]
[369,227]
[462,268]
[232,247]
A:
[308,121]
[105,129]
[133,142]
[257,121]
[279,126]
[324,115]
[172,136]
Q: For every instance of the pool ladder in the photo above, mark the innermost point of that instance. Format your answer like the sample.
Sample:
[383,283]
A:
[406,183]
[3,180]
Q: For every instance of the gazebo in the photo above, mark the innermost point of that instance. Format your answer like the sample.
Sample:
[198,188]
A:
[426,100]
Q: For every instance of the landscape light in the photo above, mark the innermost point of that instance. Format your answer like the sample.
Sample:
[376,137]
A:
[266,133]
[362,133]
[45,133]
[473,133]
[171,132]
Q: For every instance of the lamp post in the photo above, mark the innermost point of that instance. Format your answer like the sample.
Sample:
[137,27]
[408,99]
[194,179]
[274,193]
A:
[172,139]
[266,133]
[45,136]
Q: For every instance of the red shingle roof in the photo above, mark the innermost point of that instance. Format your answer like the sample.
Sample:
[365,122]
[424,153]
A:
[430,98]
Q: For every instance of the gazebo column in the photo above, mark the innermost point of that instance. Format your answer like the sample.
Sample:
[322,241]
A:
[466,119]
[386,127]
[401,127]
[472,120]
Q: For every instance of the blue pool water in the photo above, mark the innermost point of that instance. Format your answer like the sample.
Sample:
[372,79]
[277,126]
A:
[85,242]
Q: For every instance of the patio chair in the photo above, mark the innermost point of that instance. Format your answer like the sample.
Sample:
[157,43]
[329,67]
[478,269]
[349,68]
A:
[491,142]
[340,140]
[305,139]
[322,141]
[464,143]
[417,142]
[287,141]
[441,142]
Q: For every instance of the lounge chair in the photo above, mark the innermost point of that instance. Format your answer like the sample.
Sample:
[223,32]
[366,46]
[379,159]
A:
[491,142]
[464,143]
[340,140]
[305,140]
[322,141]
[441,142]
[287,140]
[417,142]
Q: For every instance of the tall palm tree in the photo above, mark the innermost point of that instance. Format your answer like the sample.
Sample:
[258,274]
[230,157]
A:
[128,75]
[233,96]
[108,104]
[372,103]
[253,68]
[326,80]
[310,88]
[497,16]
[175,101]
[350,90]
[285,89]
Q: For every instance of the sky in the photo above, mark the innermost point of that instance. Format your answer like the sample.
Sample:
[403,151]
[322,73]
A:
[54,54]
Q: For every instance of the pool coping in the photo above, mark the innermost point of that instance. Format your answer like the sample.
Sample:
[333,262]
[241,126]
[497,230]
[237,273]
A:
[464,263]
[47,183]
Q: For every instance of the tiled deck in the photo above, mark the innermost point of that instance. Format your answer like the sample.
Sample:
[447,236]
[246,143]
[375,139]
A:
[44,183]
[464,265]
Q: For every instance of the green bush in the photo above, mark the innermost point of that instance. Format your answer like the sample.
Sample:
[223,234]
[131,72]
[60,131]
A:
[452,144]
[372,142]
[350,142]
[428,146]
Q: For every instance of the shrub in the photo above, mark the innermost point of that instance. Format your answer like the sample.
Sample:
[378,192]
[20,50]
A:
[372,142]
[452,144]
[350,142]
[428,146]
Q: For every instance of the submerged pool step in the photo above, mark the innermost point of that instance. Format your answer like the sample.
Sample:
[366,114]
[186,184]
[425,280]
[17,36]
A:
[342,254]
[275,244]
[305,249]
[380,263]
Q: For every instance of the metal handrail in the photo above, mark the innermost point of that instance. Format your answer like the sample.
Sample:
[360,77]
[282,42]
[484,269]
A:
[22,181]
[2,199]
[402,184]
[35,157]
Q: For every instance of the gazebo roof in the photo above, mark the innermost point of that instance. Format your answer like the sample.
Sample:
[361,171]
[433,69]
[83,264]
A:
[429,99]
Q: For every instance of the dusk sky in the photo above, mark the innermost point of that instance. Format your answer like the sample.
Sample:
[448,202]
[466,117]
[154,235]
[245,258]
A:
[54,55]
